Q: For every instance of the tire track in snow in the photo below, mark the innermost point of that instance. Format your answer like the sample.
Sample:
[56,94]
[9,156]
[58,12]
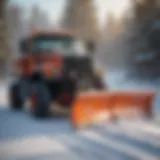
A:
[125,138]
[91,149]
[119,146]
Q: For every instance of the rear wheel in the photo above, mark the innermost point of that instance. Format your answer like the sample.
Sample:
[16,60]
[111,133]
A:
[41,100]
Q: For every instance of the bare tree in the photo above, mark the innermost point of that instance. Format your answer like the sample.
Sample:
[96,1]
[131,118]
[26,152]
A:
[112,52]
[39,19]
[4,46]
[15,26]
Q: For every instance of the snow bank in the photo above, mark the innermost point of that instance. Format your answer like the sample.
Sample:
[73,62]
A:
[114,79]
[117,80]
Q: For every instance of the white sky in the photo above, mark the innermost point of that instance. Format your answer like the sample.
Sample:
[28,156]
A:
[55,8]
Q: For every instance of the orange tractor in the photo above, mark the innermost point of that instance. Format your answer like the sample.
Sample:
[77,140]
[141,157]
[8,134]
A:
[55,75]
[53,67]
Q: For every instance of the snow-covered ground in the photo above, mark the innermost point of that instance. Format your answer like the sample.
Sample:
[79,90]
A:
[24,138]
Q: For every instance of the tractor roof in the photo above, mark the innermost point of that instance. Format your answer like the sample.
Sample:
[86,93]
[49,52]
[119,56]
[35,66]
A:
[53,33]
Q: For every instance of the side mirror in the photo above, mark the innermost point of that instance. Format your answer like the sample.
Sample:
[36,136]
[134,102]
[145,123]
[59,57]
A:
[23,46]
[91,46]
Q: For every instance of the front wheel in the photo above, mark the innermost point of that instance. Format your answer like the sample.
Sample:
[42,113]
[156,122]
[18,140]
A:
[41,100]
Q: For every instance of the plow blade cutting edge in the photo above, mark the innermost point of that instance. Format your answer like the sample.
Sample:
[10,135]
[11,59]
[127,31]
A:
[98,107]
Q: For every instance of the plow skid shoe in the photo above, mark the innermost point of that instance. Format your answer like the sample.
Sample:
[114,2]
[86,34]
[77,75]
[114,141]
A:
[99,108]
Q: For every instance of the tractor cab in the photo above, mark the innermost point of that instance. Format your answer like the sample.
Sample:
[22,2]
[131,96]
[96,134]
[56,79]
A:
[55,52]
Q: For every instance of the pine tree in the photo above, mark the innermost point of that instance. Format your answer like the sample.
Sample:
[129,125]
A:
[15,26]
[35,17]
[144,56]
[80,16]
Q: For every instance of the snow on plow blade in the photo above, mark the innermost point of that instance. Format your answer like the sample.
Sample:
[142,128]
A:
[98,107]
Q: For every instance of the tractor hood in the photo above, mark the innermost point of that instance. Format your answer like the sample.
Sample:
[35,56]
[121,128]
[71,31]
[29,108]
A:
[47,64]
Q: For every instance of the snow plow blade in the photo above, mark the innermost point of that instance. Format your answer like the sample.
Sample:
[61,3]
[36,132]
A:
[98,107]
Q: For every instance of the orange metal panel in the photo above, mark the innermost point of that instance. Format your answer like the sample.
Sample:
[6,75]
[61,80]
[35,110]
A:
[98,107]
[27,65]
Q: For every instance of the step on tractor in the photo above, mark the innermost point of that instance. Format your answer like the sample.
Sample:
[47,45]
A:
[52,69]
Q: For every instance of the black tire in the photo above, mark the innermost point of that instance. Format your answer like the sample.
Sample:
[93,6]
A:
[14,97]
[43,100]
[18,93]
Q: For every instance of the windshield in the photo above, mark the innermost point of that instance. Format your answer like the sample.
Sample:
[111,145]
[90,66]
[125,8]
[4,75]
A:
[64,45]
